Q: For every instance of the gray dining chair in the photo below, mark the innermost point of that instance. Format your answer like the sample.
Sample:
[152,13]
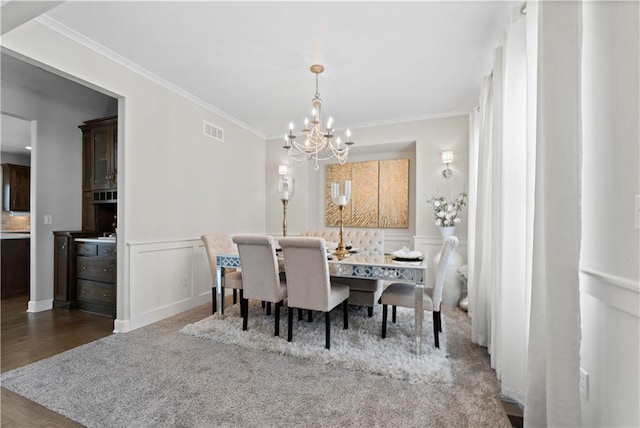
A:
[221,243]
[309,284]
[260,275]
[403,294]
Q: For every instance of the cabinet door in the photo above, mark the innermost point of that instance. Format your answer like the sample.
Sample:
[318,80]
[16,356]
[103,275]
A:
[101,146]
[114,156]
[21,188]
[61,254]
[87,162]
[17,183]
[88,211]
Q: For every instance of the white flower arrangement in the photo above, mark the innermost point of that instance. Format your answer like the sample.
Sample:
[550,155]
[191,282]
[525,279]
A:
[447,213]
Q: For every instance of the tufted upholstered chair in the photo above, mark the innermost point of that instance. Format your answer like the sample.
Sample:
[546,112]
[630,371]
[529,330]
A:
[363,292]
[260,275]
[308,282]
[402,294]
[221,243]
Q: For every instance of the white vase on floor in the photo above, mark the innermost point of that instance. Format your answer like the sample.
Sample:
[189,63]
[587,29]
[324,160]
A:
[452,290]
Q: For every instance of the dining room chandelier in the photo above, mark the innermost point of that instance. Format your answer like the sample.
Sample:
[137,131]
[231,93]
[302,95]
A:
[317,143]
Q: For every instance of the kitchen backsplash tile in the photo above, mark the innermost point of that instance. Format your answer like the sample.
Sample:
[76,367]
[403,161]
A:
[15,222]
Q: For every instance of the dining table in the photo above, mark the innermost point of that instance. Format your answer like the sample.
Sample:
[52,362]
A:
[363,265]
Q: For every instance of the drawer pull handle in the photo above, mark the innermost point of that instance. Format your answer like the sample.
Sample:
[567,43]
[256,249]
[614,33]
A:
[106,270]
[107,295]
[84,290]
[84,268]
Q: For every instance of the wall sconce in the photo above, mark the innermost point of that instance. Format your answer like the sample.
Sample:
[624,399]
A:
[447,158]
[286,188]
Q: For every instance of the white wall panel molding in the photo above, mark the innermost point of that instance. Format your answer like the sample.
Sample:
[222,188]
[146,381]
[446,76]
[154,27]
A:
[620,293]
[167,277]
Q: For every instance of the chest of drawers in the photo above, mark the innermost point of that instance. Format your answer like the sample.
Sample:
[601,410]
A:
[97,275]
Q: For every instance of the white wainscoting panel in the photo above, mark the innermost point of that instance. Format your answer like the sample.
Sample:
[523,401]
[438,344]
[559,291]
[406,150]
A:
[609,348]
[166,278]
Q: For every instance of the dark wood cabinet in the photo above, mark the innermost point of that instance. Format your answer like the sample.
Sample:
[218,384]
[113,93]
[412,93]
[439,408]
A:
[15,257]
[100,153]
[96,270]
[64,268]
[99,173]
[16,181]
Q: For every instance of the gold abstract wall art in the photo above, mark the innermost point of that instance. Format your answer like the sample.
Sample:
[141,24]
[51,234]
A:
[379,194]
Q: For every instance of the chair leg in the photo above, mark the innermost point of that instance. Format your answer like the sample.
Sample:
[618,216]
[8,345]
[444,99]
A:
[242,308]
[290,326]
[370,311]
[384,321]
[299,314]
[268,308]
[327,324]
[276,330]
[214,306]
[435,329]
[263,304]
[235,296]
[222,302]
[393,314]
[245,318]
[439,322]
[309,315]
[345,313]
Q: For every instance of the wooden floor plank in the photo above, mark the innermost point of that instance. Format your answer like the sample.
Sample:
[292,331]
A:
[30,337]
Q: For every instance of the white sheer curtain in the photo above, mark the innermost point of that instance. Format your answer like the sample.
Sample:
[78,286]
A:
[524,212]
[553,361]
[498,239]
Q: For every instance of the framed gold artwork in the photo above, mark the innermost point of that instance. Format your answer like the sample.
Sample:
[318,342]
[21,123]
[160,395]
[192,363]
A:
[379,194]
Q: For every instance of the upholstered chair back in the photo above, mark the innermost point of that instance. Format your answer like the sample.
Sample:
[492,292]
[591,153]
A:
[446,250]
[260,276]
[307,270]
[217,243]
[366,240]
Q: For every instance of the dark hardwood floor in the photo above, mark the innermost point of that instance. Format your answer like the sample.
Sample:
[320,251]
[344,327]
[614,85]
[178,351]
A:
[30,337]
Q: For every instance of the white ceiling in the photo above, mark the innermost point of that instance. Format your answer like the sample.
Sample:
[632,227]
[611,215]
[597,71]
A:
[384,61]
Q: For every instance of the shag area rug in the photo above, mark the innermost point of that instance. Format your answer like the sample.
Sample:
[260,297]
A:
[157,377]
[358,348]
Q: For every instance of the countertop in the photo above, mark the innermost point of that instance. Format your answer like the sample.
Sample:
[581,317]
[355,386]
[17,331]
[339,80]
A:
[100,239]
[10,234]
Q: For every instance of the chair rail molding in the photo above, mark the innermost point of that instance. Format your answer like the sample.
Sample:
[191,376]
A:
[618,292]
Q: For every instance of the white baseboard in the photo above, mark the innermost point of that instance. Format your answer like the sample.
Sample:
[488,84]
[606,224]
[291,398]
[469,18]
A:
[43,305]
[121,326]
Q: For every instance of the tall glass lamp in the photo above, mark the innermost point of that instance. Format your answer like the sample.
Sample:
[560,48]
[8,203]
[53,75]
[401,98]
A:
[340,194]
[286,188]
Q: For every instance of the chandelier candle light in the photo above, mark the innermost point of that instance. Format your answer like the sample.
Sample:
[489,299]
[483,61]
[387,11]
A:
[286,188]
[318,143]
[341,198]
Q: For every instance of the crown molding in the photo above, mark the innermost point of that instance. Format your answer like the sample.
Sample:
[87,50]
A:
[71,34]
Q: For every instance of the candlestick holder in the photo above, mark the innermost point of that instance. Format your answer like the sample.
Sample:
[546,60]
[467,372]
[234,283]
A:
[340,194]
[286,188]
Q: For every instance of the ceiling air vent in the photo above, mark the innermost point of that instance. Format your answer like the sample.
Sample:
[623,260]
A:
[213,131]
